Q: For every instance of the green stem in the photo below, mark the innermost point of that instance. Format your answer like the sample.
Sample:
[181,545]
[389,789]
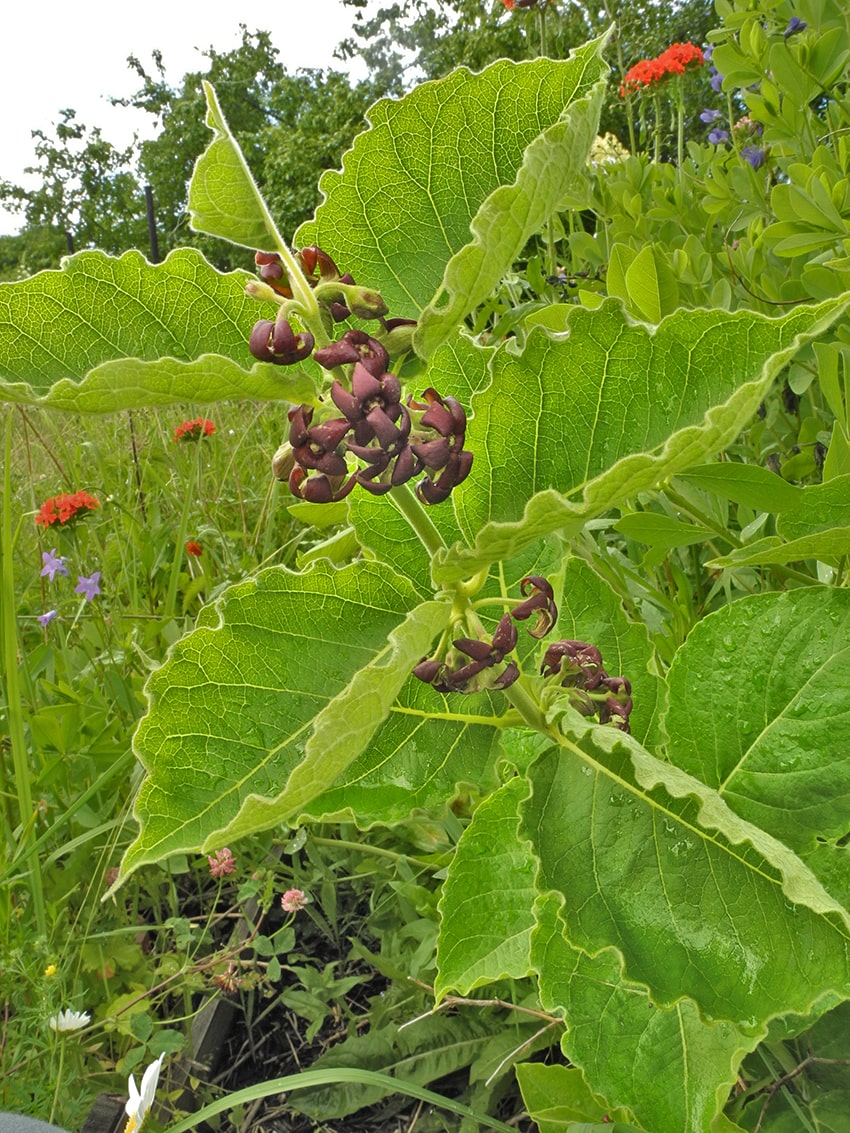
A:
[15,710]
[377,851]
[527,707]
[541,15]
[177,561]
[417,517]
[55,1102]
[783,572]
[704,520]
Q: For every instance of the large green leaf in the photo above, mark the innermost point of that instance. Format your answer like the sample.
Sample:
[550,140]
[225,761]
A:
[578,422]
[223,197]
[557,1096]
[233,708]
[511,215]
[106,333]
[485,929]
[414,181]
[693,900]
[621,1039]
[776,752]
[433,746]
[431,749]
[613,1030]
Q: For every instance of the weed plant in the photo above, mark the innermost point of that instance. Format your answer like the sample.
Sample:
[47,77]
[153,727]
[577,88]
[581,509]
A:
[496,740]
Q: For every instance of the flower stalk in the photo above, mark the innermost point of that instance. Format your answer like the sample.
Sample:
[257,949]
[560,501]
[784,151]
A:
[14,701]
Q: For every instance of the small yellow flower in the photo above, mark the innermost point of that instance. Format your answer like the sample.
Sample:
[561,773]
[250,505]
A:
[51,970]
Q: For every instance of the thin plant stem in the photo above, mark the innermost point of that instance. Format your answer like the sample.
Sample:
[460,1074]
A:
[621,64]
[527,706]
[377,851]
[541,25]
[419,520]
[55,1101]
[177,561]
[15,710]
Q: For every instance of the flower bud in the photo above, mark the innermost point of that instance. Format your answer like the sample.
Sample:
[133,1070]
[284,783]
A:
[272,273]
[398,336]
[283,462]
[426,670]
[363,302]
[257,290]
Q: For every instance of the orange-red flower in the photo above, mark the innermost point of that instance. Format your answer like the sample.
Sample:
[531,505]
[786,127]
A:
[194,430]
[62,509]
[674,61]
[193,548]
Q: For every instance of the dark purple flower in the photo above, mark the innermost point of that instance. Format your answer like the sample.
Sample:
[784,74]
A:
[455,472]
[717,136]
[315,448]
[709,116]
[483,655]
[716,80]
[443,454]
[320,489]
[618,704]
[372,403]
[577,666]
[88,587]
[754,156]
[795,25]
[578,663]
[708,52]
[354,346]
[53,564]
[277,342]
[541,602]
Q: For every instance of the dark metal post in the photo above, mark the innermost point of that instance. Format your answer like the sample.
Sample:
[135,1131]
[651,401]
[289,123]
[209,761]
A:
[151,225]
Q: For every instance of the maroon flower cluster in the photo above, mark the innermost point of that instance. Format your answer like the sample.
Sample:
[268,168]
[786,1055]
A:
[470,675]
[578,666]
[394,440]
[575,665]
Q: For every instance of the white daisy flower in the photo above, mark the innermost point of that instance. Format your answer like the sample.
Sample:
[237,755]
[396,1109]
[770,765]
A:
[69,1020]
[141,1100]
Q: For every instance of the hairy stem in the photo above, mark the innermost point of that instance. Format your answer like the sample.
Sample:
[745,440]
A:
[418,518]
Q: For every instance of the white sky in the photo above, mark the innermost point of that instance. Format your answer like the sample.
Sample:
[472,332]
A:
[73,54]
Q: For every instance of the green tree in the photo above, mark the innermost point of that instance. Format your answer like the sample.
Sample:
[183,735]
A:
[89,196]
[291,128]
[414,39]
